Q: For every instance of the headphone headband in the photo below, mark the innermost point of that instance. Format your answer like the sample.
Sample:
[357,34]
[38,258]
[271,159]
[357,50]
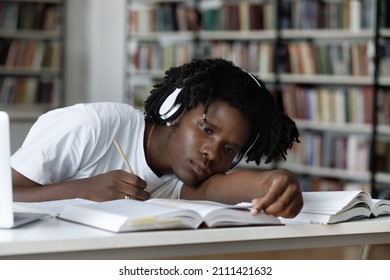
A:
[240,155]
[253,77]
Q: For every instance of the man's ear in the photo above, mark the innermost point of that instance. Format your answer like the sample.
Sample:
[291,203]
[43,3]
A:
[175,122]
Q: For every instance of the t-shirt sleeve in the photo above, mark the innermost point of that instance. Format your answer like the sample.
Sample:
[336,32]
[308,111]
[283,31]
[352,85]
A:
[56,145]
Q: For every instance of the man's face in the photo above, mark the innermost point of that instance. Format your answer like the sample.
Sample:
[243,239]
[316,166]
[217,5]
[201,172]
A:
[200,147]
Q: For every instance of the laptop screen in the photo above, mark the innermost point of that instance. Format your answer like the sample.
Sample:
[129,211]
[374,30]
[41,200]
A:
[6,211]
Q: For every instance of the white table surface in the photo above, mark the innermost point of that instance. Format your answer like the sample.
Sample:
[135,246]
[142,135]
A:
[52,238]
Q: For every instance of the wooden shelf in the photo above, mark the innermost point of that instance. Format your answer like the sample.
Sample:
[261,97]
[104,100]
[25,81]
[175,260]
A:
[327,34]
[238,35]
[326,79]
[30,34]
[18,71]
[340,128]
[162,36]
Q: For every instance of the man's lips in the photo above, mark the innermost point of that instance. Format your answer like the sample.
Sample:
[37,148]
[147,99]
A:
[200,168]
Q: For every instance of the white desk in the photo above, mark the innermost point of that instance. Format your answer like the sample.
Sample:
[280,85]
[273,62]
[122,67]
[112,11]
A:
[55,239]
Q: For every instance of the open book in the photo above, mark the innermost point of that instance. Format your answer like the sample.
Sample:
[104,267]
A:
[330,207]
[131,215]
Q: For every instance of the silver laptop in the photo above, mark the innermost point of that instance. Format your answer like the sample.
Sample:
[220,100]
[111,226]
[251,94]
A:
[9,218]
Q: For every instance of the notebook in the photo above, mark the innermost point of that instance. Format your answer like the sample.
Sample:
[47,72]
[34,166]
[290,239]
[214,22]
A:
[9,218]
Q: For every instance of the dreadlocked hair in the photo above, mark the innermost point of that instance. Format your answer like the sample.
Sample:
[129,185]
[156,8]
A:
[203,81]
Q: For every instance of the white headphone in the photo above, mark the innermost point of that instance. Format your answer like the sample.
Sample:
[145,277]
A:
[170,109]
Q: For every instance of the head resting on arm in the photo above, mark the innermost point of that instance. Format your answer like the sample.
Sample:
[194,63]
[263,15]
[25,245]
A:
[202,81]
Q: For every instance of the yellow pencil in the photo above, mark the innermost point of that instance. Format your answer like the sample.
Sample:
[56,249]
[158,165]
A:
[118,147]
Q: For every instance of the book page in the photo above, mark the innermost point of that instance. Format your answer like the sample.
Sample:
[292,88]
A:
[380,207]
[201,206]
[332,202]
[53,207]
[128,215]
[216,214]
[132,208]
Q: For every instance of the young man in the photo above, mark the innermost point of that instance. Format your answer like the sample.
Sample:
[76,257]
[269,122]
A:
[198,124]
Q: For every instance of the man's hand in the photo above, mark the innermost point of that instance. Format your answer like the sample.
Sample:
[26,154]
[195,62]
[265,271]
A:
[275,192]
[282,195]
[117,184]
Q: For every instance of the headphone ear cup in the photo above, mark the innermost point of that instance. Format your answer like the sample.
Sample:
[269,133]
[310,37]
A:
[241,154]
[169,109]
[236,160]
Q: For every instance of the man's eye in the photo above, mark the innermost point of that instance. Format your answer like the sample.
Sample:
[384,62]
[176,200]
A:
[229,149]
[206,129]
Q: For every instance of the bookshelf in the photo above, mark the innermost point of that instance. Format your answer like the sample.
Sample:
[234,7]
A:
[327,64]
[333,95]
[31,60]
[161,34]
[241,31]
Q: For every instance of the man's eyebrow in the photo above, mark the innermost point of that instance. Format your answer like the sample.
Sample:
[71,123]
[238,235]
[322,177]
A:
[211,124]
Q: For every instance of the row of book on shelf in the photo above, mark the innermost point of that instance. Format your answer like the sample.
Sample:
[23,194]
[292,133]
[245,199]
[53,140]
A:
[28,91]
[242,15]
[251,15]
[256,57]
[210,15]
[151,56]
[344,14]
[345,58]
[335,151]
[350,153]
[338,105]
[29,16]
[30,54]
[336,58]
[304,14]
[384,106]
[158,17]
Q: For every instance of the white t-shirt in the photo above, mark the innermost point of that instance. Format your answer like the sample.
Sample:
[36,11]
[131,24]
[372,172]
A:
[77,142]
